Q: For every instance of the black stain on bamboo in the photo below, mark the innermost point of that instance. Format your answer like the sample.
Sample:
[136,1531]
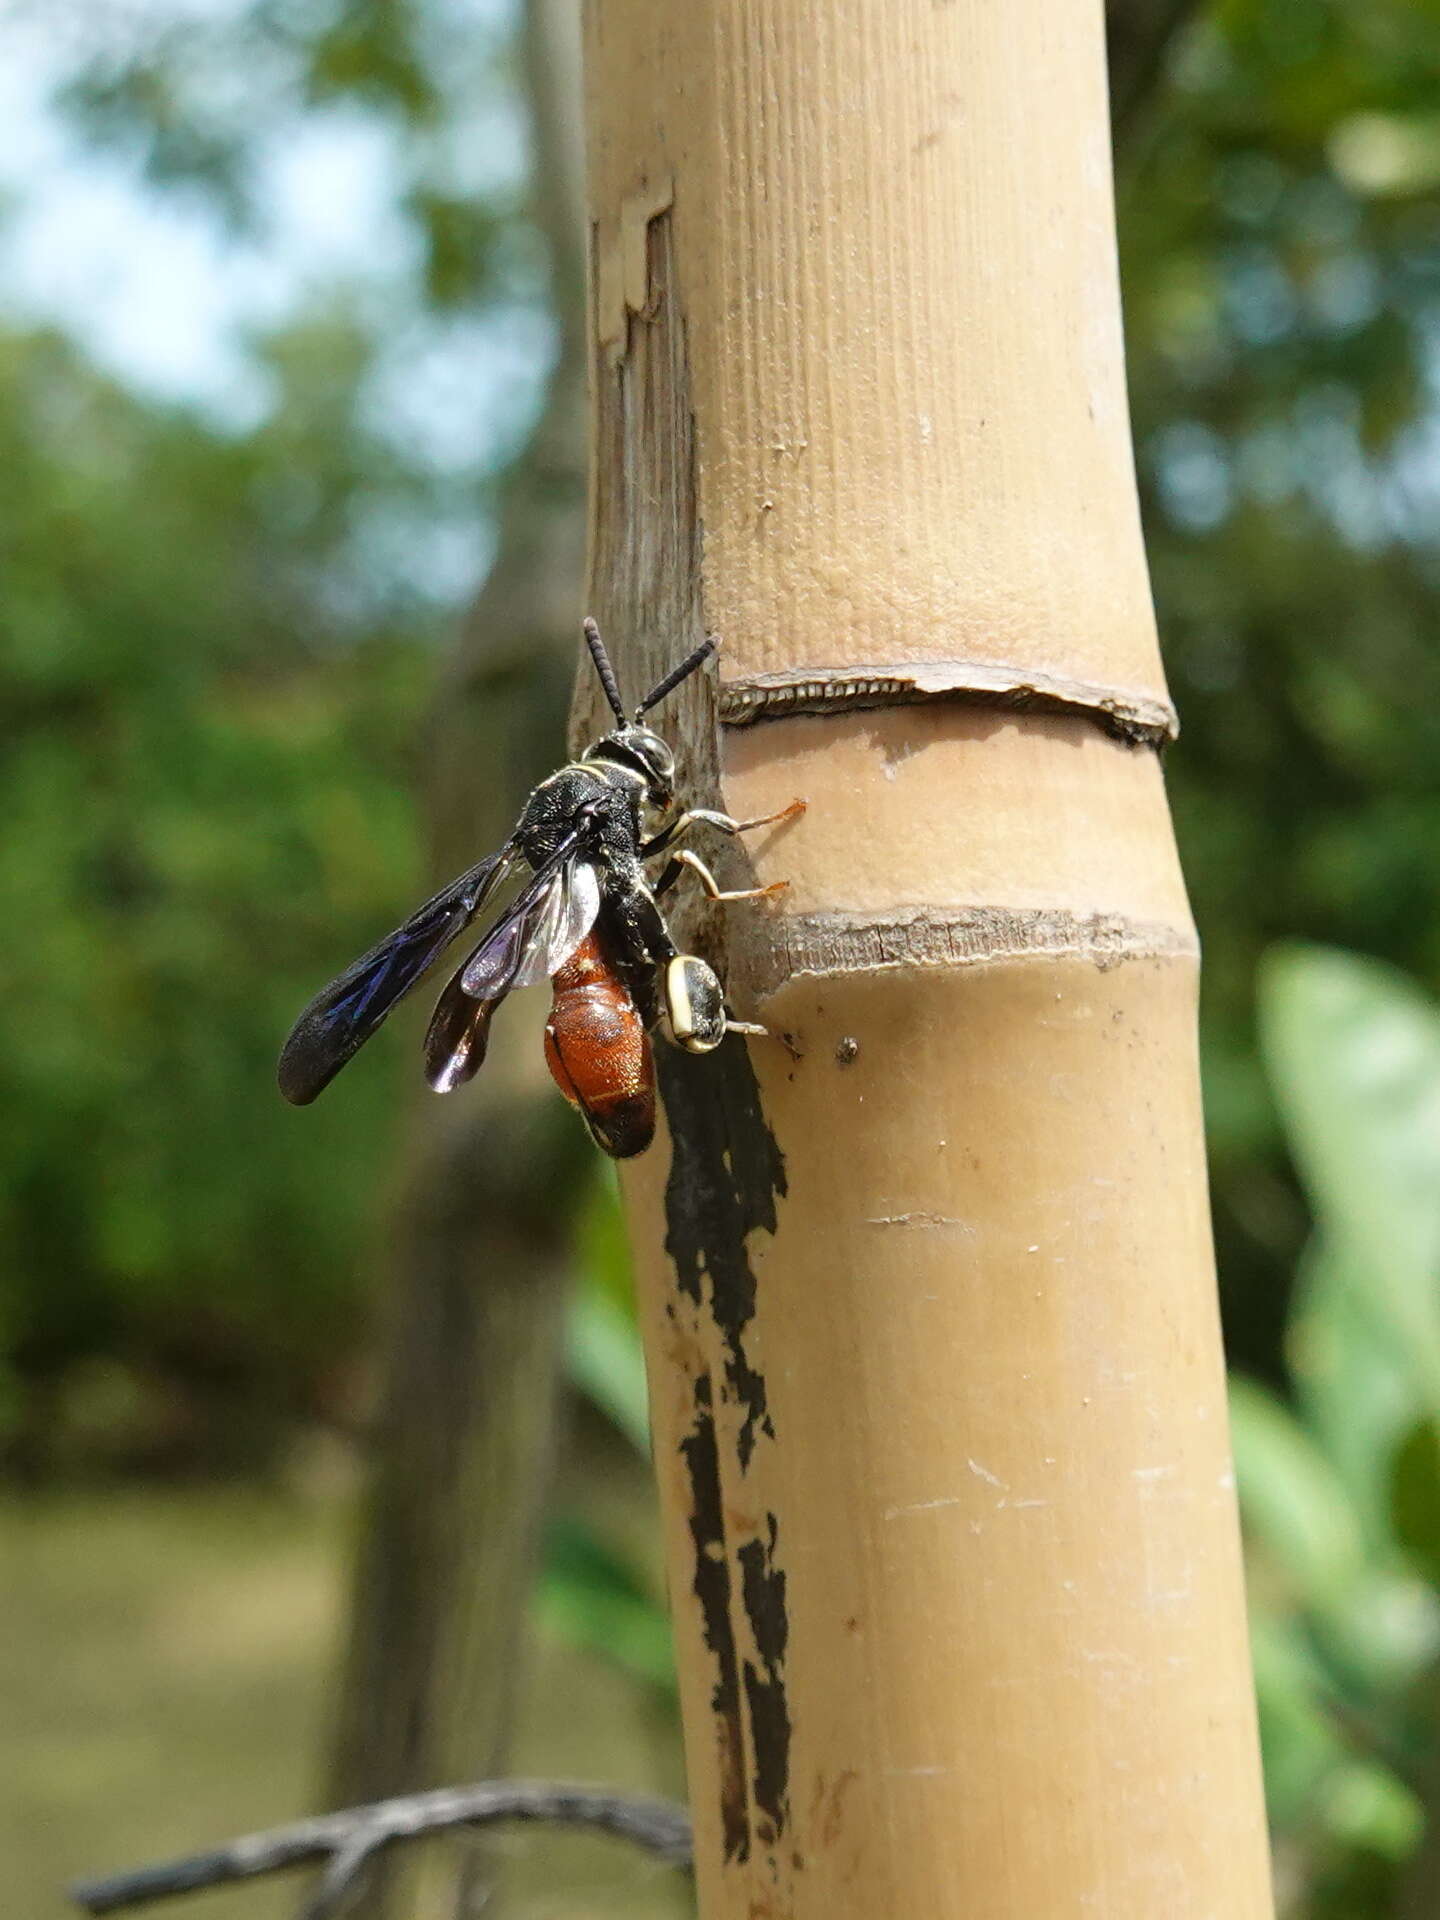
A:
[701,1454]
[726,1174]
[763,1591]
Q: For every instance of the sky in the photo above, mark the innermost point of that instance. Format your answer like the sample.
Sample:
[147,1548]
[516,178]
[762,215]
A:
[162,295]
[154,289]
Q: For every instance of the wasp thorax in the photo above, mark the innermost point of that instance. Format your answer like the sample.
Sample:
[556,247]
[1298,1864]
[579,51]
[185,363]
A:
[694,1004]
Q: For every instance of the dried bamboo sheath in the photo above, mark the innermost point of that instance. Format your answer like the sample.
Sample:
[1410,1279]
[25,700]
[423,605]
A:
[930,1313]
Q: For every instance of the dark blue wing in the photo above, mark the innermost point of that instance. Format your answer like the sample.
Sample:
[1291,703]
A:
[342,1016]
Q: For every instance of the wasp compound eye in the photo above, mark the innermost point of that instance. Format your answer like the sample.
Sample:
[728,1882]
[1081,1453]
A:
[657,751]
[653,753]
[694,1004]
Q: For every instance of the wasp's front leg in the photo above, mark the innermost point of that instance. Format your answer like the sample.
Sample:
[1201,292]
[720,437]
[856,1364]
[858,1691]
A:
[711,817]
[678,862]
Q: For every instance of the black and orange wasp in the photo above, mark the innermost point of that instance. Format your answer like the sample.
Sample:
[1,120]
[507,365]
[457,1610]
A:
[584,914]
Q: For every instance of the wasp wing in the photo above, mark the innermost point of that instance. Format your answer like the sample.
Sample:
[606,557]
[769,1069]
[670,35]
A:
[528,944]
[570,916]
[538,935]
[457,1037]
[343,1015]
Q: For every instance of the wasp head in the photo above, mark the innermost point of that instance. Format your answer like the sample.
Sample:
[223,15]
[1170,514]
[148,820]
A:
[644,753]
[633,745]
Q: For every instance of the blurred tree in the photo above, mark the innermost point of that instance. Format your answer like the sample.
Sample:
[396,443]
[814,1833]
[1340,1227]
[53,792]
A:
[1281,248]
[202,787]
[178,594]
[483,1257]
[473,1320]
[1139,35]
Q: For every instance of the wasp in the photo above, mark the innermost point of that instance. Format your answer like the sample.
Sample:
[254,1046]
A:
[584,913]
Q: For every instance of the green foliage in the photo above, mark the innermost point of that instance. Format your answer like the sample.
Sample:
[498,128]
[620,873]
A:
[215,651]
[206,808]
[598,1598]
[1415,1498]
[198,101]
[596,1588]
[603,1347]
[1281,253]
[1340,1489]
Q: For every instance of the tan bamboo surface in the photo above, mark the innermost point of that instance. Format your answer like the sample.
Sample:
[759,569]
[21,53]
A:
[927,1286]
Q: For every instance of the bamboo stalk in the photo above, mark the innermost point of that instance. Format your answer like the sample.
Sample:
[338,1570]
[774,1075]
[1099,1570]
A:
[929,1304]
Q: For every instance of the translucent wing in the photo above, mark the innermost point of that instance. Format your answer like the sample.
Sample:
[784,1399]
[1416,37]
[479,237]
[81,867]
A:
[537,936]
[458,1036]
[530,942]
[570,914]
[343,1015]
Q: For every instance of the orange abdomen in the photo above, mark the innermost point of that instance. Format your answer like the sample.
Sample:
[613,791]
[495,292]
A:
[598,1050]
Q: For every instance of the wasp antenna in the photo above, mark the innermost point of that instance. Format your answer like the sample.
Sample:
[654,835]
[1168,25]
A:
[676,674]
[604,669]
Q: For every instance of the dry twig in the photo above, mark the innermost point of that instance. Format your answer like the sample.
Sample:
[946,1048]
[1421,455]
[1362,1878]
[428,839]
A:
[346,1841]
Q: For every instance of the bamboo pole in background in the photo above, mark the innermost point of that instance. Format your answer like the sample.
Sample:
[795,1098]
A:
[481,1253]
[930,1312]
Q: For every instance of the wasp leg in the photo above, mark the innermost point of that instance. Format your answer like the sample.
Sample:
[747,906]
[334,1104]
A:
[640,924]
[710,817]
[763,1033]
[696,1014]
[713,889]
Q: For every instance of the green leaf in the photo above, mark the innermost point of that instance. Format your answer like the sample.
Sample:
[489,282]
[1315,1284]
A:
[598,1599]
[604,1355]
[1366,1806]
[461,235]
[1354,1393]
[1354,1056]
[1415,1497]
[1373,1625]
[603,1249]
[606,1363]
[1292,1499]
[1298,1738]
[371,52]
